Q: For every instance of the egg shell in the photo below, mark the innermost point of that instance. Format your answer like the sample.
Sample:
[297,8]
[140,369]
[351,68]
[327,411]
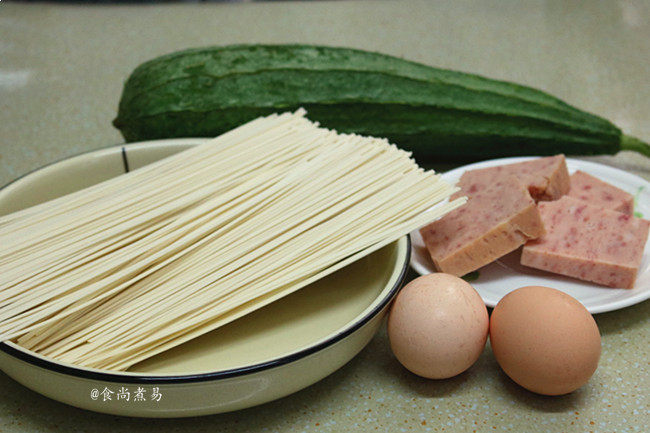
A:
[438,326]
[545,340]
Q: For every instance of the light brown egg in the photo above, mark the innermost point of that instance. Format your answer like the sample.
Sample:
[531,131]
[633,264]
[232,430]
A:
[545,340]
[438,326]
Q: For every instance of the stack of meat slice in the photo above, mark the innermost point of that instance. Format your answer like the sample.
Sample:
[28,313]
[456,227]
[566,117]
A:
[580,227]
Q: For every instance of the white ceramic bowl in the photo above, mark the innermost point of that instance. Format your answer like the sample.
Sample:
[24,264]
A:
[268,354]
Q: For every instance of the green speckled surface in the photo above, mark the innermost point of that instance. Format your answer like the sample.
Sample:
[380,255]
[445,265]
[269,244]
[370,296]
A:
[61,72]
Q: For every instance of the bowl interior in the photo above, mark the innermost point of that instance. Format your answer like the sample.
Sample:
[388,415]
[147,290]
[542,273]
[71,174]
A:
[296,322]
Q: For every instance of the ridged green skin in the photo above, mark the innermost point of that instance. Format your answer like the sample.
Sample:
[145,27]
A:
[440,115]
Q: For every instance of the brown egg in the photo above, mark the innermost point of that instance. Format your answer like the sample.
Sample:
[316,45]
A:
[545,340]
[438,326]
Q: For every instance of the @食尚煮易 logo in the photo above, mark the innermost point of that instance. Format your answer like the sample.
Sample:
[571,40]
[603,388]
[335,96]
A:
[138,394]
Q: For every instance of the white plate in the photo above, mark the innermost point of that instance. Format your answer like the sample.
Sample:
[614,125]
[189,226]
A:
[506,274]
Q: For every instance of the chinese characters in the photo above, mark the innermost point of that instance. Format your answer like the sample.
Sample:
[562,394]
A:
[139,394]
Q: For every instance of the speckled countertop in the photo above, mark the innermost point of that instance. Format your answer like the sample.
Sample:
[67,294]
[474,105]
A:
[61,72]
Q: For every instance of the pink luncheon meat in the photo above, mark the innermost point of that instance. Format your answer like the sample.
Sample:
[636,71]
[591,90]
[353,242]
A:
[588,242]
[498,218]
[546,178]
[598,193]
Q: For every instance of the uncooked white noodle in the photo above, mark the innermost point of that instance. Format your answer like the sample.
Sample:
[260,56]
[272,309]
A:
[116,273]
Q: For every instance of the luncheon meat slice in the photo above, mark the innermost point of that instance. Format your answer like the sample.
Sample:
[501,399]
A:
[598,193]
[546,178]
[498,218]
[588,242]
